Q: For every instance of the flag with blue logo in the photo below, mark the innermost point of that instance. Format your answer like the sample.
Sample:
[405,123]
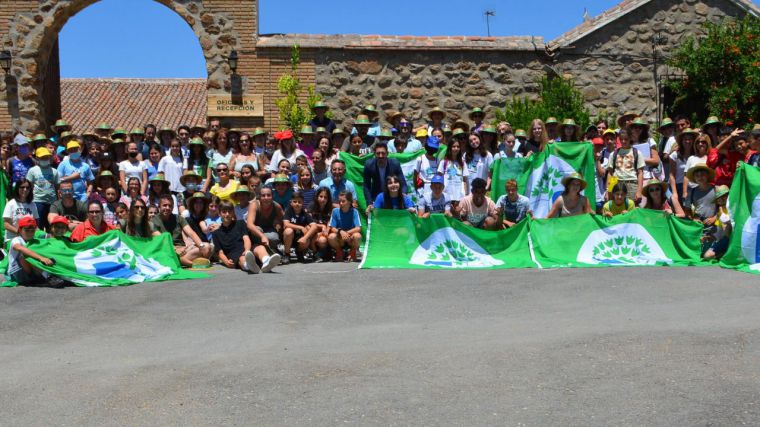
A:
[744,205]
[111,259]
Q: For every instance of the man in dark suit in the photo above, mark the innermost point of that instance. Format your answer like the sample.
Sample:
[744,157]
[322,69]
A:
[379,168]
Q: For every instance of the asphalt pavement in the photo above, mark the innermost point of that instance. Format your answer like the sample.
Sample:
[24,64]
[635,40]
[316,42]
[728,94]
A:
[327,345]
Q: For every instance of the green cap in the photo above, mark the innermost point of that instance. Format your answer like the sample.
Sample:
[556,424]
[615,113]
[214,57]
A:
[446,130]
[197,195]
[188,175]
[117,141]
[196,141]
[60,123]
[721,190]
[281,177]
[119,131]
[458,131]
[137,131]
[476,111]
[436,110]
[489,129]
[321,129]
[320,104]
[370,109]
[259,131]
[159,177]
[242,189]
[638,121]
[519,133]
[386,133]
[39,137]
[666,122]
[712,120]
[65,134]
[166,129]
[362,119]
[338,131]
[306,130]
[103,126]
[551,120]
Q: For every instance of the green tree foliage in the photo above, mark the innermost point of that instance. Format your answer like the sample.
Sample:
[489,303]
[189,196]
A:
[722,71]
[558,98]
[293,114]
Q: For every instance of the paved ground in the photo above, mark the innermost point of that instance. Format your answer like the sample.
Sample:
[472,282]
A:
[333,346]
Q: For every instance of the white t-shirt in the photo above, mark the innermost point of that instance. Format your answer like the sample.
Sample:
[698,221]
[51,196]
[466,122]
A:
[13,256]
[15,210]
[479,166]
[453,176]
[132,170]
[680,170]
[277,156]
[173,170]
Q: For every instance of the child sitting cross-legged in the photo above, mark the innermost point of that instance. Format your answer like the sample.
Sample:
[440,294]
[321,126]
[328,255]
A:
[234,245]
[299,227]
[19,268]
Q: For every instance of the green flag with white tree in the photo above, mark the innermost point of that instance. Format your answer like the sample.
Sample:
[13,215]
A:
[541,180]
[744,205]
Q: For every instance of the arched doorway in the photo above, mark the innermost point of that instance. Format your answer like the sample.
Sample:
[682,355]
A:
[33,40]
[150,69]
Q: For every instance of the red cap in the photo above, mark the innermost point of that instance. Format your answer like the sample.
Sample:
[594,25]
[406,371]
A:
[27,221]
[597,141]
[286,134]
[60,220]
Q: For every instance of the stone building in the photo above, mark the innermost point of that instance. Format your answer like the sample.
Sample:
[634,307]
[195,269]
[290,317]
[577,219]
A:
[610,57]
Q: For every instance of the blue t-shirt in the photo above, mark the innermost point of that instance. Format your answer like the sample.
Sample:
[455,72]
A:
[345,220]
[20,168]
[67,168]
[380,202]
[514,211]
[335,189]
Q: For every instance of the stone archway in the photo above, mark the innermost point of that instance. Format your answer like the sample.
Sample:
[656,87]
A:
[33,34]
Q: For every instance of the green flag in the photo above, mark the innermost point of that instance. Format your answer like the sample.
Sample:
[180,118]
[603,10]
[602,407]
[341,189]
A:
[112,259]
[399,239]
[4,191]
[641,237]
[504,169]
[744,204]
[355,172]
[541,182]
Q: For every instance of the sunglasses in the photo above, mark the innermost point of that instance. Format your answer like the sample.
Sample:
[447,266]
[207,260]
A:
[222,170]
[29,228]
[138,207]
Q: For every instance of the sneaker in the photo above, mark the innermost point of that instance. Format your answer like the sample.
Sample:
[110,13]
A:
[300,257]
[56,282]
[338,255]
[270,262]
[351,255]
[285,260]
[250,261]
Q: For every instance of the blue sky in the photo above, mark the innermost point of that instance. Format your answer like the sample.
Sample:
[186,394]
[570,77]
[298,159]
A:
[141,38]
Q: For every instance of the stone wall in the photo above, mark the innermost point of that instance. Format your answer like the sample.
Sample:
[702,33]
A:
[613,65]
[29,29]
[609,57]
[414,82]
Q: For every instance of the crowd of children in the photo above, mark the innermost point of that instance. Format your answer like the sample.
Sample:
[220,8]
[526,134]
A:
[251,200]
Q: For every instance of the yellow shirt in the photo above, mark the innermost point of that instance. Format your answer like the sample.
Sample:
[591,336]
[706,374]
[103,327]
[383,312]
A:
[225,194]
[611,207]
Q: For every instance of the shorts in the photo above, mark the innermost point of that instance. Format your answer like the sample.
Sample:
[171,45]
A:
[23,278]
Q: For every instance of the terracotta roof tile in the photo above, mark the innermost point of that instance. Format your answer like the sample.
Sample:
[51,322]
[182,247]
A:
[356,41]
[130,103]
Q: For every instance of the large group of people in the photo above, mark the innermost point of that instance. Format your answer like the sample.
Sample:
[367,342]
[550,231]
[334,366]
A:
[253,200]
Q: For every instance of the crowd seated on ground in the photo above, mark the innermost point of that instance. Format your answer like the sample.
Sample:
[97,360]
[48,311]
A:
[255,200]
